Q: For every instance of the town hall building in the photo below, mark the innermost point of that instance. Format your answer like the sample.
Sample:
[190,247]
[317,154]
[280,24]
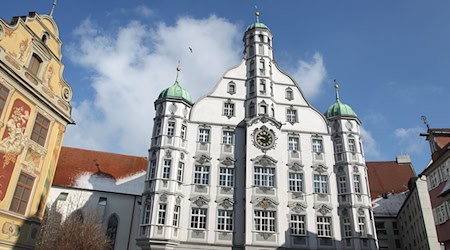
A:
[253,165]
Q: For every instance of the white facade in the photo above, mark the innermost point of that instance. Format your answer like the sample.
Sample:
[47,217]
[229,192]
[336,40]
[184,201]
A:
[252,165]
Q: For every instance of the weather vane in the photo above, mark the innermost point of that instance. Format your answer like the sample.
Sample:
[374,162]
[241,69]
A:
[424,119]
[53,8]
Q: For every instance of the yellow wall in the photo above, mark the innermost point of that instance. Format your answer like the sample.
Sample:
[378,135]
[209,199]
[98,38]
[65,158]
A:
[46,93]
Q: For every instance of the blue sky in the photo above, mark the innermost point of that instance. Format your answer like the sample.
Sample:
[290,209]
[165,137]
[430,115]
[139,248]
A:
[392,59]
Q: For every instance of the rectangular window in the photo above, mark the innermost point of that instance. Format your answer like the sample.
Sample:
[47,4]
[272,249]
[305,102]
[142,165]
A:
[321,184]
[441,213]
[203,135]
[225,220]
[317,146]
[227,137]
[40,129]
[291,115]
[147,211]
[293,143]
[351,145]
[22,194]
[362,226]
[228,109]
[152,169]
[170,128]
[4,92]
[338,146]
[158,129]
[296,182]
[251,109]
[183,132]
[264,177]
[198,218]
[226,177]
[357,183]
[176,216]
[162,213]
[35,64]
[323,226]
[265,221]
[347,227]
[201,175]
[180,172]
[166,169]
[297,224]
[342,184]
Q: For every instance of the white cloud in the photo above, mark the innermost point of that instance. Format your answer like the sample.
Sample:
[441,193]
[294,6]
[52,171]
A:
[310,75]
[409,140]
[371,148]
[129,68]
[144,11]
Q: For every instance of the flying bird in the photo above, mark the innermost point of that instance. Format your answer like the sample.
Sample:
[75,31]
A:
[190,49]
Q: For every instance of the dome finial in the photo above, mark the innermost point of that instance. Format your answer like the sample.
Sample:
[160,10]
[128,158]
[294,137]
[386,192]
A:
[257,14]
[336,86]
[178,71]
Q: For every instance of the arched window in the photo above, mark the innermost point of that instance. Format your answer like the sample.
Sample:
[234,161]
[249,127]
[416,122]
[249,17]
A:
[44,37]
[289,94]
[35,63]
[111,231]
[231,88]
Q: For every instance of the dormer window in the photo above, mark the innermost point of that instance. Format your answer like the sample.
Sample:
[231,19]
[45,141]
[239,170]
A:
[35,64]
[231,88]
[289,94]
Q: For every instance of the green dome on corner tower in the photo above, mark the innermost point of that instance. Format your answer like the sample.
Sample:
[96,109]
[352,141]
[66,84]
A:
[176,91]
[258,24]
[339,109]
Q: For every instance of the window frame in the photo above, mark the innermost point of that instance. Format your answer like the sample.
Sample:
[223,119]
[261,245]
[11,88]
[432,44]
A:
[35,64]
[176,215]
[321,184]
[199,218]
[362,226]
[228,137]
[167,165]
[162,213]
[317,145]
[295,184]
[201,175]
[324,229]
[171,128]
[293,143]
[357,183]
[21,187]
[228,109]
[291,115]
[180,172]
[297,224]
[226,177]
[204,135]
[40,128]
[265,220]
[4,94]
[264,177]
[224,220]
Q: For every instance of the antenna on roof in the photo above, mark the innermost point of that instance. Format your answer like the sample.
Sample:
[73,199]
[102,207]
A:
[424,119]
[53,8]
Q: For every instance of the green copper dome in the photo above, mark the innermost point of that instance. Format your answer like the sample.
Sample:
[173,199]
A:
[175,92]
[339,108]
[257,24]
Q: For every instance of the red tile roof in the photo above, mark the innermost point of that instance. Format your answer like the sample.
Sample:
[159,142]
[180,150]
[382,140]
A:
[74,162]
[388,177]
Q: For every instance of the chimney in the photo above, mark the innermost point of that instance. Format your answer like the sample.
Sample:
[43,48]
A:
[403,159]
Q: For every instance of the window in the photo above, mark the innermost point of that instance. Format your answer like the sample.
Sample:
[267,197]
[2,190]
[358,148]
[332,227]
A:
[441,213]
[35,63]
[347,227]
[357,183]
[225,220]
[22,193]
[262,70]
[342,184]
[183,132]
[261,38]
[176,216]
[227,137]
[147,211]
[264,177]
[320,184]
[166,169]
[4,92]
[338,146]
[170,128]
[252,87]
[262,86]
[226,177]
[296,182]
[231,88]
[162,213]
[203,135]
[40,129]
[44,39]
[263,109]
[317,145]
[362,226]
[297,224]
[265,221]
[351,145]
[293,143]
[323,226]
[198,218]
[228,109]
[261,49]
[201,175]
[291,115]
[152,169]
[158,129]
[180,172]
[111,230]
[289,94]
[251,109]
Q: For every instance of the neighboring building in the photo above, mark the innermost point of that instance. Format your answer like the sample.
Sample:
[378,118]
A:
[388,186]
[102,185]
[401,206]
[437,173]
[254,165]
[34,113]
[415,218]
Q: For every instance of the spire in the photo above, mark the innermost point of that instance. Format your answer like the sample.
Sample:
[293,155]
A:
[53,8]
[336,86]
[257,16]
[178,71]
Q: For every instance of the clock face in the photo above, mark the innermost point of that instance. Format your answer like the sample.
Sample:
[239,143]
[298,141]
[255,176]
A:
[264,138]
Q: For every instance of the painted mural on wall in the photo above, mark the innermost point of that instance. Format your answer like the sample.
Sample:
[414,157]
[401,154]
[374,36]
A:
[12,143]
